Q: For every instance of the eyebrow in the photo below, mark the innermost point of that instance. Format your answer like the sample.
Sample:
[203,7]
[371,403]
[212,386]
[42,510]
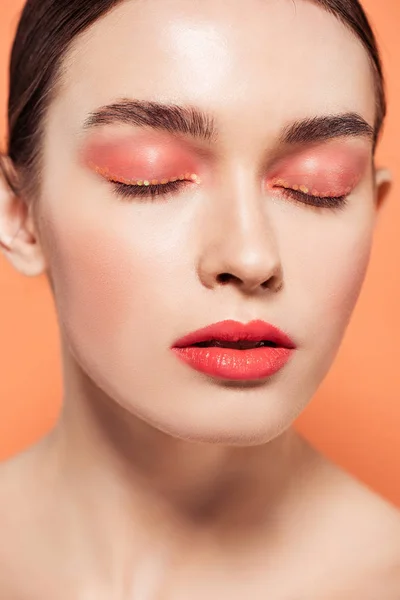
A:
[196,123]
[324,128]
[166,117]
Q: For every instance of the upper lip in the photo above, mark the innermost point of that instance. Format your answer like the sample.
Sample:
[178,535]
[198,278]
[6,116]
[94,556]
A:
[234,331]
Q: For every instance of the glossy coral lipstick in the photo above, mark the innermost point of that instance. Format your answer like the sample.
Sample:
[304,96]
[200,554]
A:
[234,351]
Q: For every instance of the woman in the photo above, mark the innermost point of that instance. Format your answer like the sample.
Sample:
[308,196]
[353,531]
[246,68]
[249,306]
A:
[197,179]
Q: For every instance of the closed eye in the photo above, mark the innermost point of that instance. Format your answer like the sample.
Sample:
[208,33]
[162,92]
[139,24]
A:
[148,191]
[329,202]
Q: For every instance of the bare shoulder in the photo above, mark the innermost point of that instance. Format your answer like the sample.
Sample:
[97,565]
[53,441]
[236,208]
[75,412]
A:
[20,517]
[13,500]
[359,531]
[17,484]
[362,509]
[17,478]
[12,485]
[373,536]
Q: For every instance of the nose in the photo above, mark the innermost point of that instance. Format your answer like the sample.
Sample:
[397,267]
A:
[239,246]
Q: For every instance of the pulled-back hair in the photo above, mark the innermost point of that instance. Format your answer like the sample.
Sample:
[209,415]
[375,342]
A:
[45,33]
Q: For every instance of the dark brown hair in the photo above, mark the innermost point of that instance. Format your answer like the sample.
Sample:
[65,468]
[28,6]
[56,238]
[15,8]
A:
[45,33]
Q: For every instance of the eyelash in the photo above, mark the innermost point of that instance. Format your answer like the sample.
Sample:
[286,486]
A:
[153,191]
[328,202]
[150,191]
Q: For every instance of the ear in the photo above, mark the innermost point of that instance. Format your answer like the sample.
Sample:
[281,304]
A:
[383,185]
[19,240]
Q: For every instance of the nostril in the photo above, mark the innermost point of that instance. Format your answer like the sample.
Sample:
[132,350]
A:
[274,283]
[267,283]
[225,277]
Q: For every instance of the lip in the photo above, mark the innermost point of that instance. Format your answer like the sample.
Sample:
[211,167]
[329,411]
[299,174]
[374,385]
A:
[231,363]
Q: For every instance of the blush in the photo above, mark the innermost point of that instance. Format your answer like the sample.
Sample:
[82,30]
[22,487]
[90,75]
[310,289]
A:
[146,157]
[332,171]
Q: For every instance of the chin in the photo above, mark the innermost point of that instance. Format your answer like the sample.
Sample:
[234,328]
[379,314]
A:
[249,418]
[185,406]
[221,437]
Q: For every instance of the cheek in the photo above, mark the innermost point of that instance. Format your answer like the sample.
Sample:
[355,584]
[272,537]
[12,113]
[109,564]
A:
[336,292]
[98,283]
[334,263]
[345,265]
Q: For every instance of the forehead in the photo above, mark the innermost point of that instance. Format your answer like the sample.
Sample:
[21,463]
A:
[247,61]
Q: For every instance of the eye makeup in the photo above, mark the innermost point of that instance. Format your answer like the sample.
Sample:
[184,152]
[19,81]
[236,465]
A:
[145,165]
[150,164]
[321,176]
[107,174]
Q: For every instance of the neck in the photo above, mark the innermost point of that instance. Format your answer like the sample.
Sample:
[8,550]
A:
[127,481]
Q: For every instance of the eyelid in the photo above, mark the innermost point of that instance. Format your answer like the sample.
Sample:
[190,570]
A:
[152,191]
[106,173]
[148,182]
[318,202]
[282,183]
[153,188]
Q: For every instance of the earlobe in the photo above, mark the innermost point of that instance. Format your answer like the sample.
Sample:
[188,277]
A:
[18,239]
[383,185]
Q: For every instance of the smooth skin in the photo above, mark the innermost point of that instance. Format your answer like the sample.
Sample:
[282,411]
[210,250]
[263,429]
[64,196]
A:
[158,482]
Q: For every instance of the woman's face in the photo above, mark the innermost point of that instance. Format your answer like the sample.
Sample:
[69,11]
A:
[263,93]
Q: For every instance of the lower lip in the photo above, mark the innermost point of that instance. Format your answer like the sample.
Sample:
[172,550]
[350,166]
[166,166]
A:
[240,365]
